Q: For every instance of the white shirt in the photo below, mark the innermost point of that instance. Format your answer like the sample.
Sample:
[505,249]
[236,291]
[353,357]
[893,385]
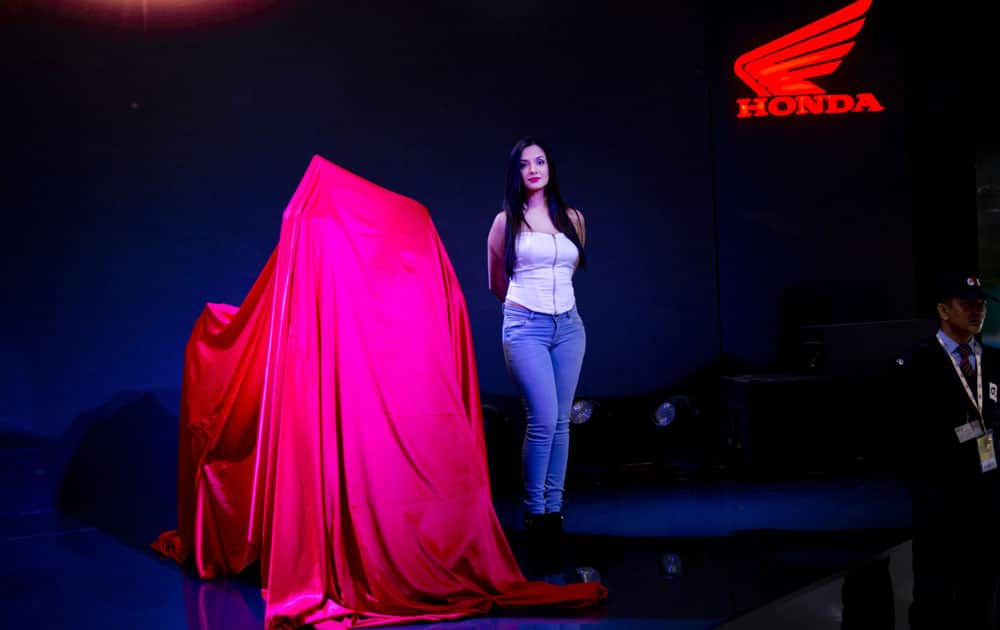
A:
[543,272]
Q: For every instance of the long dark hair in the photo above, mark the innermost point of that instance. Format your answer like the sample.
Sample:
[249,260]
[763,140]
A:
[515,198]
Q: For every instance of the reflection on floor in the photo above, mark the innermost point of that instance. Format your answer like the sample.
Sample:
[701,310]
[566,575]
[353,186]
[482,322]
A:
[873,594]
[730,553]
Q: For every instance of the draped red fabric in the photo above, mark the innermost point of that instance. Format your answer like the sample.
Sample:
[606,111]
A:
[331,427]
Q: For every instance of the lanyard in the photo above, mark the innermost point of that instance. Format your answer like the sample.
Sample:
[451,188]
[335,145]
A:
[977,398]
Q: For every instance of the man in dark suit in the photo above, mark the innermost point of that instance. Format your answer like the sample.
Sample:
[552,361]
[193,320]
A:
[946,446]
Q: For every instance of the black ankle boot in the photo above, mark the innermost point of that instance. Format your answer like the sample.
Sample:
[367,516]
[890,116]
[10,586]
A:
[536,532]
[535,543]
[554,524]
[555,543]
[535,523]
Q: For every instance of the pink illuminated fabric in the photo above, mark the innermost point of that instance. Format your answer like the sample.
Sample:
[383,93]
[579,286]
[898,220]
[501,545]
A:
[331,427]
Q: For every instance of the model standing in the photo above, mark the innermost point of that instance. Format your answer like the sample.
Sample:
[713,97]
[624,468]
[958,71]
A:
[533,249]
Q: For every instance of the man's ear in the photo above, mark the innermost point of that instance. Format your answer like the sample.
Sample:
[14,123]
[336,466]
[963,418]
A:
[942,310]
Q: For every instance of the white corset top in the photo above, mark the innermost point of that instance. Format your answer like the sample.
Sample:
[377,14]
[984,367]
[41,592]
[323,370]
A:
[543,272]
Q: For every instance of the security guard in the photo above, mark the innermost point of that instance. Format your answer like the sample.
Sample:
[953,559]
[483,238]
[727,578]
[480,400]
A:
[948,456]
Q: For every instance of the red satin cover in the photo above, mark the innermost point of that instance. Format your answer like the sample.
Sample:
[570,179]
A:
[331,427]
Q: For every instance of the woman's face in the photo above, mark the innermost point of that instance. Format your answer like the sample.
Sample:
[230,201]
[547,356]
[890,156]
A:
[534,169]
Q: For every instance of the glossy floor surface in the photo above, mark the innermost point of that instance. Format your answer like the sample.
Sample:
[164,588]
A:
[724,552]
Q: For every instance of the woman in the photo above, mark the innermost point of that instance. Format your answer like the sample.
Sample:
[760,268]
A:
[533,248]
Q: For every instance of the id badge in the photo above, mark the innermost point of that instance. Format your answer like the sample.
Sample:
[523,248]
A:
[987,455]
[969,431]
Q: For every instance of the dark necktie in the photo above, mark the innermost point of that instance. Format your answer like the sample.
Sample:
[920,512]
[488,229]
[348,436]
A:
[965,365]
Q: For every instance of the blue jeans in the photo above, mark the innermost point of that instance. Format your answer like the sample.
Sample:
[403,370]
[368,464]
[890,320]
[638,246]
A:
[544,354]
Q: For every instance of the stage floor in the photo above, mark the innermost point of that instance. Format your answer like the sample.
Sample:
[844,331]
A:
[752,553]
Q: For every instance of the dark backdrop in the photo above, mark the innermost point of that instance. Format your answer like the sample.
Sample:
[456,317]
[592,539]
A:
[814,210]
[146,166]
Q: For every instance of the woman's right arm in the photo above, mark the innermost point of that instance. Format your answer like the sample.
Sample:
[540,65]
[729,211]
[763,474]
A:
[495,266]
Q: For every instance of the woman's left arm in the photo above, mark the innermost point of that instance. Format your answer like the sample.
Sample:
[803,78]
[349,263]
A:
[581,228]
[496,270]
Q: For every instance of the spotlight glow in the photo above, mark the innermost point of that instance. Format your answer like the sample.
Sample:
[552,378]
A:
[664,414]
[581,412]
[671,566]
[154,13]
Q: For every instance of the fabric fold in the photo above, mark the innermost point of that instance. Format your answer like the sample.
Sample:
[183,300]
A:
[331,427]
